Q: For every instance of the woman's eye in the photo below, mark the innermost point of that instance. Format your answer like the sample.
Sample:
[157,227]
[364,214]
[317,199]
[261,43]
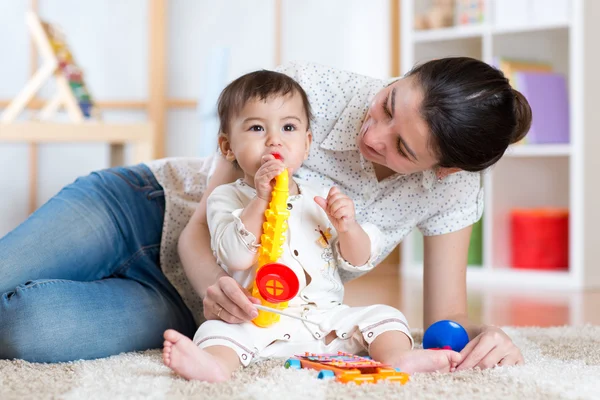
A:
[256,128]
[385,110]
[289,128]
[400,149]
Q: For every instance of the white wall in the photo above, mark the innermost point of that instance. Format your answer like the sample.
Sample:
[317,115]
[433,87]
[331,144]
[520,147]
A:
[347,34]
[13,72]
[109,41]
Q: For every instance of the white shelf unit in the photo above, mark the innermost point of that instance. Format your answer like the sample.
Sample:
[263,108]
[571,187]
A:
[561,175]
[539,150]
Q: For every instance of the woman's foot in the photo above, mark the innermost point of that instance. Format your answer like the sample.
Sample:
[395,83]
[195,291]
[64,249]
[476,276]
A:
[189,361]
[428,361]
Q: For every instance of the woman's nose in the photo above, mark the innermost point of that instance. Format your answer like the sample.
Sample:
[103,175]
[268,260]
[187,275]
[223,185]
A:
[374,137]
[378,146]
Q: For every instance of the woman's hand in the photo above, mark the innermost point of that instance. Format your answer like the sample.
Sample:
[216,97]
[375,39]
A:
[339,209]
[264,177]
[490,348]
[230,302]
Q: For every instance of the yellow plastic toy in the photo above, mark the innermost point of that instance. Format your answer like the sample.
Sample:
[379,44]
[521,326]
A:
[275,284]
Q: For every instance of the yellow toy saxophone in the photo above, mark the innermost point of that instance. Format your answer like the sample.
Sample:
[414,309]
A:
[275,283]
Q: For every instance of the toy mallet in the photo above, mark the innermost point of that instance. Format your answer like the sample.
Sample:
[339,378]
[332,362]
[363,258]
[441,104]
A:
[276,311]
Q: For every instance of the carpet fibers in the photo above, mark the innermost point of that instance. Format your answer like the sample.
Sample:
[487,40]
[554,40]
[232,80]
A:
[561,363]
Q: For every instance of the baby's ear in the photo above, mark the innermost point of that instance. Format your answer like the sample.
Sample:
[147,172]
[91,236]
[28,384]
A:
[308,143]
[230,156]
[225,148]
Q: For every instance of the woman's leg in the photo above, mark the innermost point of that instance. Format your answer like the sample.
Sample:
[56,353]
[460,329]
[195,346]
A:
[81,277]
[87,231]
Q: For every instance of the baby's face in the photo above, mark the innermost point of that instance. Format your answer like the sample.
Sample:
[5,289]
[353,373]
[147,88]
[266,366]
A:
[275,126]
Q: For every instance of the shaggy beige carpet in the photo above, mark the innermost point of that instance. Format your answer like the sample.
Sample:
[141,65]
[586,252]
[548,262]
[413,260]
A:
[561,362]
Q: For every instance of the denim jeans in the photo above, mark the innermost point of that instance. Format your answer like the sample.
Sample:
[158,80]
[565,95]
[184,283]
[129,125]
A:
[81,278]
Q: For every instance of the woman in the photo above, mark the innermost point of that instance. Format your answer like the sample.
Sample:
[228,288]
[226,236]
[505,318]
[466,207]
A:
[407,152]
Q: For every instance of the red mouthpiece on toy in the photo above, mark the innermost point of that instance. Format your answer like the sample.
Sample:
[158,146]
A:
[277,156]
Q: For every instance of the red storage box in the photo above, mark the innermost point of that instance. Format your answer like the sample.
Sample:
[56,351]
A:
[540,238]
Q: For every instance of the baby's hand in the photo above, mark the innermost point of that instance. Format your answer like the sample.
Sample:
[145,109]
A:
[264,177]
[339,208]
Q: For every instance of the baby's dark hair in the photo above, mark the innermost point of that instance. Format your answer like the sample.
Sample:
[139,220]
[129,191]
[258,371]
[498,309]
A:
[471,110]
[260,85]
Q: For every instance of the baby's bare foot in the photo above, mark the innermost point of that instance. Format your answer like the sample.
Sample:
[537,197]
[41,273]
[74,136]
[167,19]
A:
[188,360]
[428,361]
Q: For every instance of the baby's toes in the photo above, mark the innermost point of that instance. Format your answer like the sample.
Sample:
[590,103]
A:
[454,358]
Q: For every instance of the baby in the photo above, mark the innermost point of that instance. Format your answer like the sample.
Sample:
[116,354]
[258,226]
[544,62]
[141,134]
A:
[265,128]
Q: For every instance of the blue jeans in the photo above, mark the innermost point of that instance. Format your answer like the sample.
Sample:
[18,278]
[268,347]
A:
[81,278]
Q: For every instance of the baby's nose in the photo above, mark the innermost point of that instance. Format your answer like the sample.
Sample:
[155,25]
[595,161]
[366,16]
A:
[273,140]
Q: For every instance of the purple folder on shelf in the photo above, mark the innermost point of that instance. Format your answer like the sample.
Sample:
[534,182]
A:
[548,97]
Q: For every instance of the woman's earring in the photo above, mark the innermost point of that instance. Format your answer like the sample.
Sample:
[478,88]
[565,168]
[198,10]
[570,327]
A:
[439,179]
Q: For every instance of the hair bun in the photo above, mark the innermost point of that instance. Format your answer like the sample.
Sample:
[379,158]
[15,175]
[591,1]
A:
[523,116]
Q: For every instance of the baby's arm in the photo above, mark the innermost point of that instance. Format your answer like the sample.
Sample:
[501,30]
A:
[354,242]
[235,246]
[235,228]
[355,245]
[253,215]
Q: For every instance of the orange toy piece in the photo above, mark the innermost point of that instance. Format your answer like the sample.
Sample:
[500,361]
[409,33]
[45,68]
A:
[345,367]
[275,284]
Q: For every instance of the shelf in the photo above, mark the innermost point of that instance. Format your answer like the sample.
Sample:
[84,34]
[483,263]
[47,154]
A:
[56,132]
[507,277]
[529,175]
[140,136]
[530,28]
[477,31]
[539,150]
[452,33]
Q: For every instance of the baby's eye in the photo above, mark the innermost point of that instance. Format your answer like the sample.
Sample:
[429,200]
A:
[289,127]
[256,128]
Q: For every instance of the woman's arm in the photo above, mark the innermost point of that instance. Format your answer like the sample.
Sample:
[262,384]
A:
[445,279]
[445,297]
[209,280]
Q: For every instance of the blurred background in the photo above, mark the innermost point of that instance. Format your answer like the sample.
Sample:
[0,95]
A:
[204,45]
[143,77]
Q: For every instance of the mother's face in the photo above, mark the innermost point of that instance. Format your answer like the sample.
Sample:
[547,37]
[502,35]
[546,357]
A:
[394,134]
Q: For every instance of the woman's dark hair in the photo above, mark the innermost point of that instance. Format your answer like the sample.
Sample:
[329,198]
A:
[471,110]
[259,85]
